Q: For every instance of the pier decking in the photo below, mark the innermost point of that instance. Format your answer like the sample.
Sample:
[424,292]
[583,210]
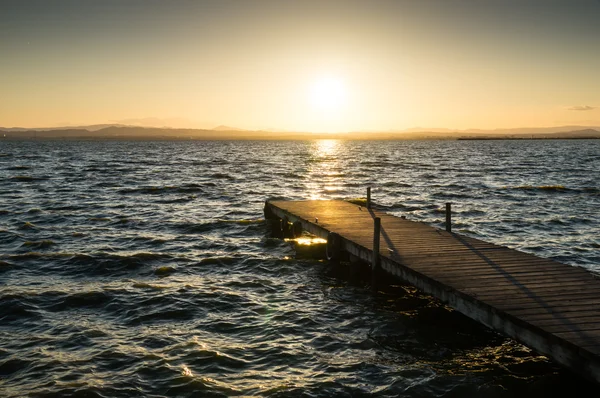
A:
[551,307]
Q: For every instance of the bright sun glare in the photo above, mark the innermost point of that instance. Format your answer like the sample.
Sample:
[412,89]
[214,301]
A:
[328,94]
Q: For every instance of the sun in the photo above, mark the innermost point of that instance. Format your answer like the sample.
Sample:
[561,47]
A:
[328,94]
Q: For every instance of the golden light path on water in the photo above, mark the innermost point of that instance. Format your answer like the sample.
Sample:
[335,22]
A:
[324,172]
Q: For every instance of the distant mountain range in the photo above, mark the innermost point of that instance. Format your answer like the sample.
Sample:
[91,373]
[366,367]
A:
[107,131]
[227,128]
[93,127]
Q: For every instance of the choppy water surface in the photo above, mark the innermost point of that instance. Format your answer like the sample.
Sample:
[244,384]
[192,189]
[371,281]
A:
[146,269]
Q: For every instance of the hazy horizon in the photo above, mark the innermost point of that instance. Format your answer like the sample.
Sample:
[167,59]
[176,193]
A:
[241,130]
[316,66]
[121,132]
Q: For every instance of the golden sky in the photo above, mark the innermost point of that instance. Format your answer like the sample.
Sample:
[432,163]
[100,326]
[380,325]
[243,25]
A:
[301,65]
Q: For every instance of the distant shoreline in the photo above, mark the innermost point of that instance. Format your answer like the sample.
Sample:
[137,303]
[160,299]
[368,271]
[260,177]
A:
[280,138]
[523,139]
[168,134]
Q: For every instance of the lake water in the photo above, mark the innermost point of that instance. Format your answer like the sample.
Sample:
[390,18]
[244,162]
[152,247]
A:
[132,269]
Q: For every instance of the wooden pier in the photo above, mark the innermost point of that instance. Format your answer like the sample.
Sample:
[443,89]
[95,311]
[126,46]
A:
[550,307]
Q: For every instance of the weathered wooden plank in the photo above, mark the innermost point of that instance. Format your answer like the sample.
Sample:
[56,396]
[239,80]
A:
[466,258]
[548,319]
[498,282]
[590,297]
[478,272]
[561,327]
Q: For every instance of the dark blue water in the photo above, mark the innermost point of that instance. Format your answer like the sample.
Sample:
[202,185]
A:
[146,269]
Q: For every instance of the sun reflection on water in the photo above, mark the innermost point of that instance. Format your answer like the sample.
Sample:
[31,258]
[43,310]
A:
[324,174]
[327,147]
[307,240]
[185,371]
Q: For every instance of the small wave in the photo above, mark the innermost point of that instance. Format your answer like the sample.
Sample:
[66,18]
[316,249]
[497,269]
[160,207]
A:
[28,226]
[112,264]
[68,208]
[243,221]
[39,244]
[164,271]
[447,186]
[394,184]
[81,300]
[221,176]
[179,200]
[190,188]
[473,212]
[26,256]
[557,221]
[27,178]
[162,314]
[99,219]
[455,195]
[125,221]
[591,190]
[20,167]
[14,309]
[401,206]
[549,188]
[147,190]
[153,240]
[217,261]
[195,228]
[158,190]
[8,236]
[147,256]
[293,176]
[107,184]
[13,365]
[255,285]
[23,178]
[329,175]
[99,263]
[370,163]
[145,285]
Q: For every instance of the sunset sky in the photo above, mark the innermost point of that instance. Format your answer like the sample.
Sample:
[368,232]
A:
[301,65]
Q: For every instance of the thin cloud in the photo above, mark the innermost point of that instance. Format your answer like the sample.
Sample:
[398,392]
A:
[582,108]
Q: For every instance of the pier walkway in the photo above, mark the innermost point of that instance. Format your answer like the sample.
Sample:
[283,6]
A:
[551,307]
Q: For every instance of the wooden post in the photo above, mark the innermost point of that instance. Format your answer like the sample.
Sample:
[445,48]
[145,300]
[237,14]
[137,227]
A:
[449,217]
[375,262]
[368,197]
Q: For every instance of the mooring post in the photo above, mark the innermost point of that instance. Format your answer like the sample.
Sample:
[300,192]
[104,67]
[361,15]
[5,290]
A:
[449,217]
[368,197]
[375,263]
